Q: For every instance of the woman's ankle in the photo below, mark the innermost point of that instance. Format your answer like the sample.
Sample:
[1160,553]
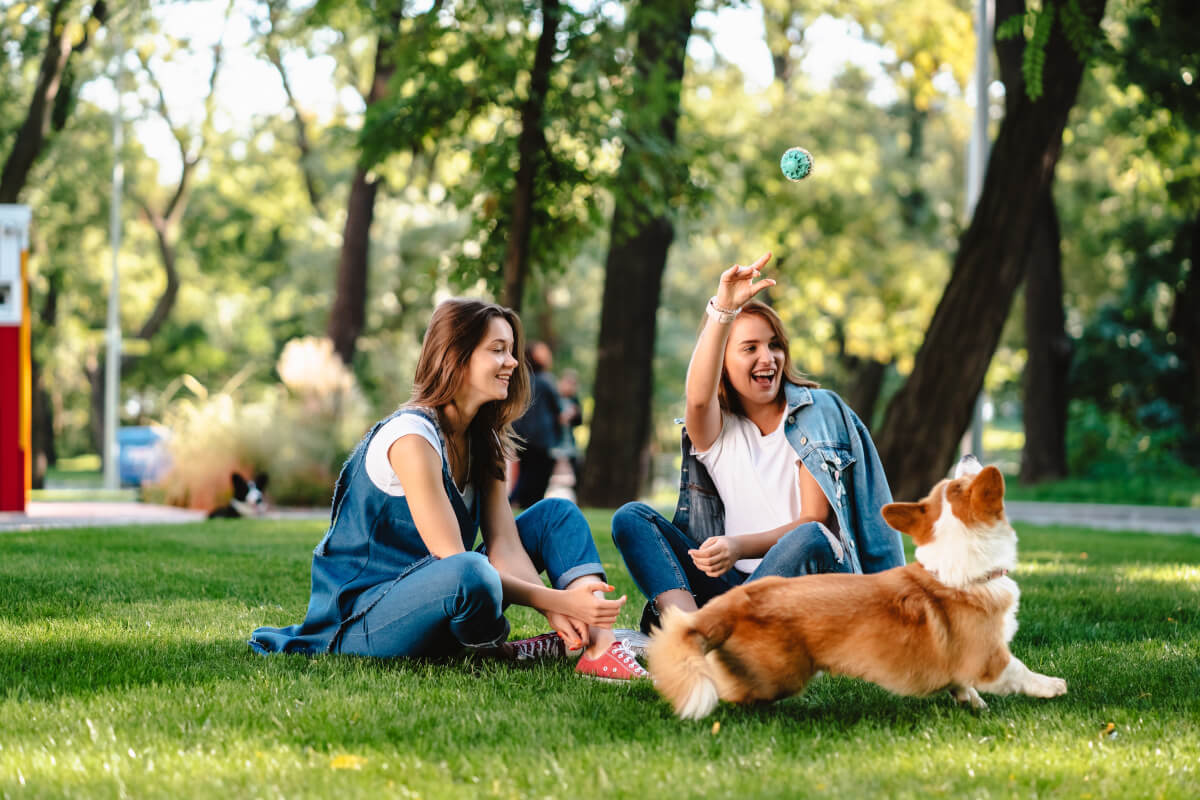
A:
[601,640]
[675,598]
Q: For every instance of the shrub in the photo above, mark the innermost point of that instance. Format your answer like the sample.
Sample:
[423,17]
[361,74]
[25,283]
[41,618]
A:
[299,431]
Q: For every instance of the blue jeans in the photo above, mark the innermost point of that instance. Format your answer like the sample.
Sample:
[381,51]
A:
[655,553]
[457,602]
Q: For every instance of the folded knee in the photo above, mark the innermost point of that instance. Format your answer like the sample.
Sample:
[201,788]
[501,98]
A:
[630,520]
[478,580]
[813,544]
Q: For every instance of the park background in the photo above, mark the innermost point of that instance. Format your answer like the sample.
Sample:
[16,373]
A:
[303,182]
[551,172]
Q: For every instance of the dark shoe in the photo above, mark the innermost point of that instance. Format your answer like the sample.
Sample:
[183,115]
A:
[650,618]
[547,645]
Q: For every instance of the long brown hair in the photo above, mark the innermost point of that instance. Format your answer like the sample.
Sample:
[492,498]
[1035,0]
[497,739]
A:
[727,396]
[456,328]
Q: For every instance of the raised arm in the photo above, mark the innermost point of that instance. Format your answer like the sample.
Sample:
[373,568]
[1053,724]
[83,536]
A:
[702,413]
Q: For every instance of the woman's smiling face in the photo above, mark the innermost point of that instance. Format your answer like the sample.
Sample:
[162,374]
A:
[754,359]
[492,363]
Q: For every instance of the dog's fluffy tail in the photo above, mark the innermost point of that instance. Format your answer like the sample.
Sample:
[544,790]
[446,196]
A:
[677,661]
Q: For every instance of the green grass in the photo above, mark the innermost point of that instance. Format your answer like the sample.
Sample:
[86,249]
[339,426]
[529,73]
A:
[124,672]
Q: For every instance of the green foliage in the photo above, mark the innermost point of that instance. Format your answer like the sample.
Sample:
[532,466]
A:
[1132,153]
[1033,59]
[125,670]
[1036,25]
[1103,443]
[454,105]
[1138,488]
[1015,25]
[299,432]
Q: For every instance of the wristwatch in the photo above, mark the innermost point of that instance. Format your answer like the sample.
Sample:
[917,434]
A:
[718,314]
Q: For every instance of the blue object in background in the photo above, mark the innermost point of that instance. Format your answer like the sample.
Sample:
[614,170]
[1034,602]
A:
[142,454]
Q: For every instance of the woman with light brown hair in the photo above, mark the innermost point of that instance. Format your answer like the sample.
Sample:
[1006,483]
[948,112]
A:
[777,476]
[398,574]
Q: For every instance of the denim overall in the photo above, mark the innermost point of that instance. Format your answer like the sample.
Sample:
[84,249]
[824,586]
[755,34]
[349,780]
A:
[837,450]
[377,590]
[371,546]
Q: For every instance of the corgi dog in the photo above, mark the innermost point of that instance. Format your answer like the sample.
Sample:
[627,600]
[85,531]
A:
[943,622]
[248,499]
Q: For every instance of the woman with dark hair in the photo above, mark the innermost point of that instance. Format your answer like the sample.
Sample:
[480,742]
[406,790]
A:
[779,477]
[397,573]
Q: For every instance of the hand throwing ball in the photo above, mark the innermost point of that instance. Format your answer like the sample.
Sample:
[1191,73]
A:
[796,163]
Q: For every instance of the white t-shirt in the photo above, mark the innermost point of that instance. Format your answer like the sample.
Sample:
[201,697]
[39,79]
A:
[758,478]
[379,469]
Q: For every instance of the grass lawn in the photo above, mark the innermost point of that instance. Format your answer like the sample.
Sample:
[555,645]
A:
[124,672]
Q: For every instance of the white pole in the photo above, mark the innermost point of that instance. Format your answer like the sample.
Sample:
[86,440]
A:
[977,158]
[112,359]
[977,153]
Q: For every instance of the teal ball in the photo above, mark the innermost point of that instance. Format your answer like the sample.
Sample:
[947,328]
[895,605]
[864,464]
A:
[796,163]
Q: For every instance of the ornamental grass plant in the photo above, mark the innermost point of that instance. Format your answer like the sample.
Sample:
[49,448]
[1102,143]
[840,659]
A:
[124,672]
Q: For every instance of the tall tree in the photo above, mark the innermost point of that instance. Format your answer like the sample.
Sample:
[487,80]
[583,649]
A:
[64,39]
[530,148]
[927,417]
[348,315]
[1138,360]
[1044,384]
[165,218]
[53,92]
[641,233]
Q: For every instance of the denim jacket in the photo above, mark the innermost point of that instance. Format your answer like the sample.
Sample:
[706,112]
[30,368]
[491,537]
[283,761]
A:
[837,449]
[372,544]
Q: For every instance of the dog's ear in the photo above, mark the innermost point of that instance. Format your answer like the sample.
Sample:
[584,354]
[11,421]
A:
[260,480]
[987,493]
[239,485]
[910,518]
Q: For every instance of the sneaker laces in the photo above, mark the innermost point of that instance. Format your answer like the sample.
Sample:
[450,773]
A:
[537,647]
[626,657]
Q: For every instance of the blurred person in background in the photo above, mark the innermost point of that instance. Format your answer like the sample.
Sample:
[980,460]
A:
[540,429]
[571,417]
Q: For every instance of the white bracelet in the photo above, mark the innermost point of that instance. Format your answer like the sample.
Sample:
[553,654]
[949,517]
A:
[721,315]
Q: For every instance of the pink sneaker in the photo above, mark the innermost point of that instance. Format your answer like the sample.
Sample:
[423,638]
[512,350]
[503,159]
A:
[616,664]
[547,645]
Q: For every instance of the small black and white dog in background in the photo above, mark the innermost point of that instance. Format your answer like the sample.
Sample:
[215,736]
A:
[248,500]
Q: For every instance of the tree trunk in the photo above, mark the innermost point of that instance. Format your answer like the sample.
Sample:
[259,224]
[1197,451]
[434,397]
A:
[1185,325]
[348,315]
[862,389]
[928,416]
[1044,456]
[46,105]
[44,453]
[641,233]
[530,147]
[166,253]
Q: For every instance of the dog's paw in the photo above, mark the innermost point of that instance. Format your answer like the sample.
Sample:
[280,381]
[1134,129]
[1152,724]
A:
[966,695]
[1045,686]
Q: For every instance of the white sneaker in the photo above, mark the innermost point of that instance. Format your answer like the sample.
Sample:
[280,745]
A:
[635,641]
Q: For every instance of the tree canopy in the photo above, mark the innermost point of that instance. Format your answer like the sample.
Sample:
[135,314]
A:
[475,130]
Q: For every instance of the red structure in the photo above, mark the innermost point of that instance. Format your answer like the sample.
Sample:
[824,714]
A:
[15,398]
